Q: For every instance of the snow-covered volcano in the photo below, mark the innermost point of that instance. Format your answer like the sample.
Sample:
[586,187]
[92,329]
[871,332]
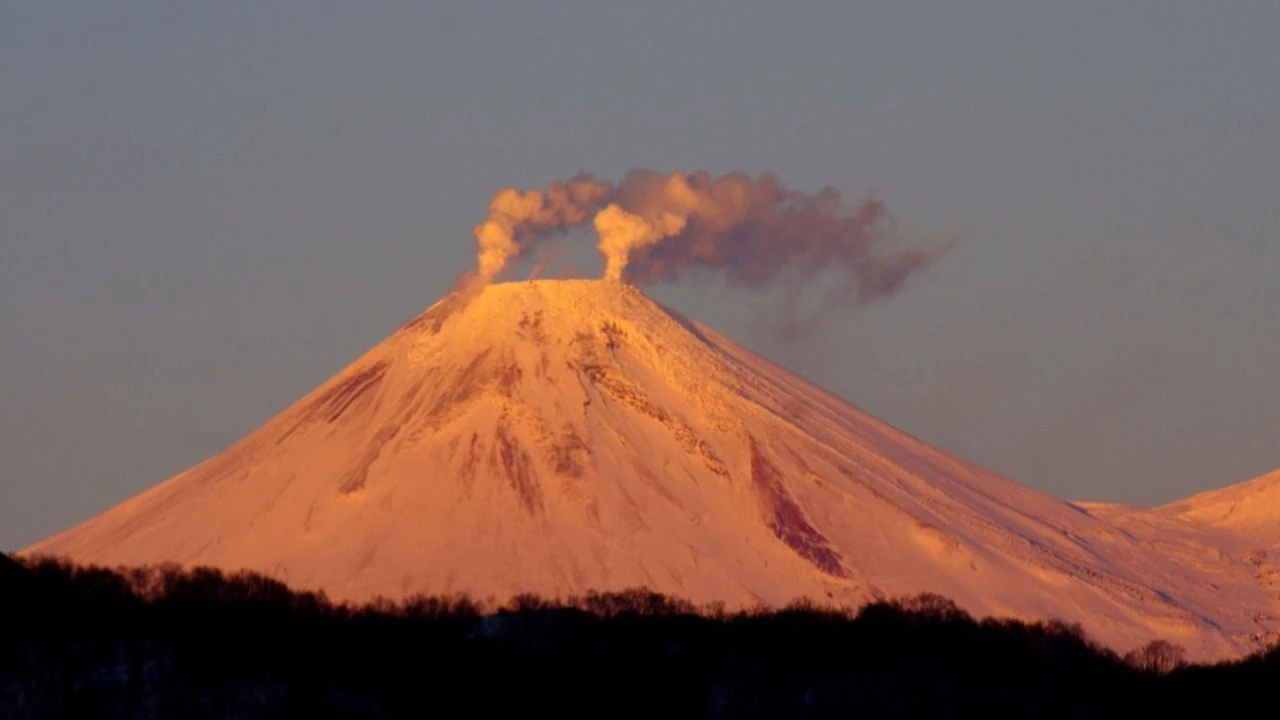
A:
[561,436]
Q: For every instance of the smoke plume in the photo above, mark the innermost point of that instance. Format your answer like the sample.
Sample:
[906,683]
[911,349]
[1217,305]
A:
[752,231]
[519,219]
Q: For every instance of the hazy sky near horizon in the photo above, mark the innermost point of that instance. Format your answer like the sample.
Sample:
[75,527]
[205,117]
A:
[206,209]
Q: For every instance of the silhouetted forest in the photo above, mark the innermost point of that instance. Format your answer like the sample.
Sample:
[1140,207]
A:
[82,642]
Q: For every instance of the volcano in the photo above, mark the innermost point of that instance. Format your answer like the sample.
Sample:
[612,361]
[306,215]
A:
[557,437]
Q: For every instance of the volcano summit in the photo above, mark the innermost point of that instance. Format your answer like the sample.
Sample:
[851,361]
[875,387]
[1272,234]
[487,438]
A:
[555,437]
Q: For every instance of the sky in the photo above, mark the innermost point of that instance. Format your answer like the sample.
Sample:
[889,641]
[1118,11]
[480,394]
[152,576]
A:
[206,209]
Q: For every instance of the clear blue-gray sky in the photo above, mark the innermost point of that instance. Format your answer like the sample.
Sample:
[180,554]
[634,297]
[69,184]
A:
[208,208]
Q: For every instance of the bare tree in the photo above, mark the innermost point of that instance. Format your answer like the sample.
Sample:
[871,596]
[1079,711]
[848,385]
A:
[1158,656]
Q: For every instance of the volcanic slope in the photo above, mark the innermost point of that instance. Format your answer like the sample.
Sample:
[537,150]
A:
[554,437]
[1228,532]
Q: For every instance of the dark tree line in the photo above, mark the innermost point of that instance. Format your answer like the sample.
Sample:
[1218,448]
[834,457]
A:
[82,642]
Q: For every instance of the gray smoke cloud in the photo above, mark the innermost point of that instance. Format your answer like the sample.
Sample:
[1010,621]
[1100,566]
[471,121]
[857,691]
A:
[751,230]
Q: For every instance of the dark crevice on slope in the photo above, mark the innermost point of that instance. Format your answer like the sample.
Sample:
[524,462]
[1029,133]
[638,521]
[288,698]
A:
[511,459]
[785,518]
[335,401]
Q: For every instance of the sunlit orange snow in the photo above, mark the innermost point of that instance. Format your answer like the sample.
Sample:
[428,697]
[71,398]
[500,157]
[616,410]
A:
[555,437]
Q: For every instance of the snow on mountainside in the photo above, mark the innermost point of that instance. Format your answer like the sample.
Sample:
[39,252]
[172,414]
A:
[559,436]
[1253,505]
[1232,532]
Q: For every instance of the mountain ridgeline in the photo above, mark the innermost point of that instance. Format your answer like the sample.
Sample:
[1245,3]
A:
[556,438]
